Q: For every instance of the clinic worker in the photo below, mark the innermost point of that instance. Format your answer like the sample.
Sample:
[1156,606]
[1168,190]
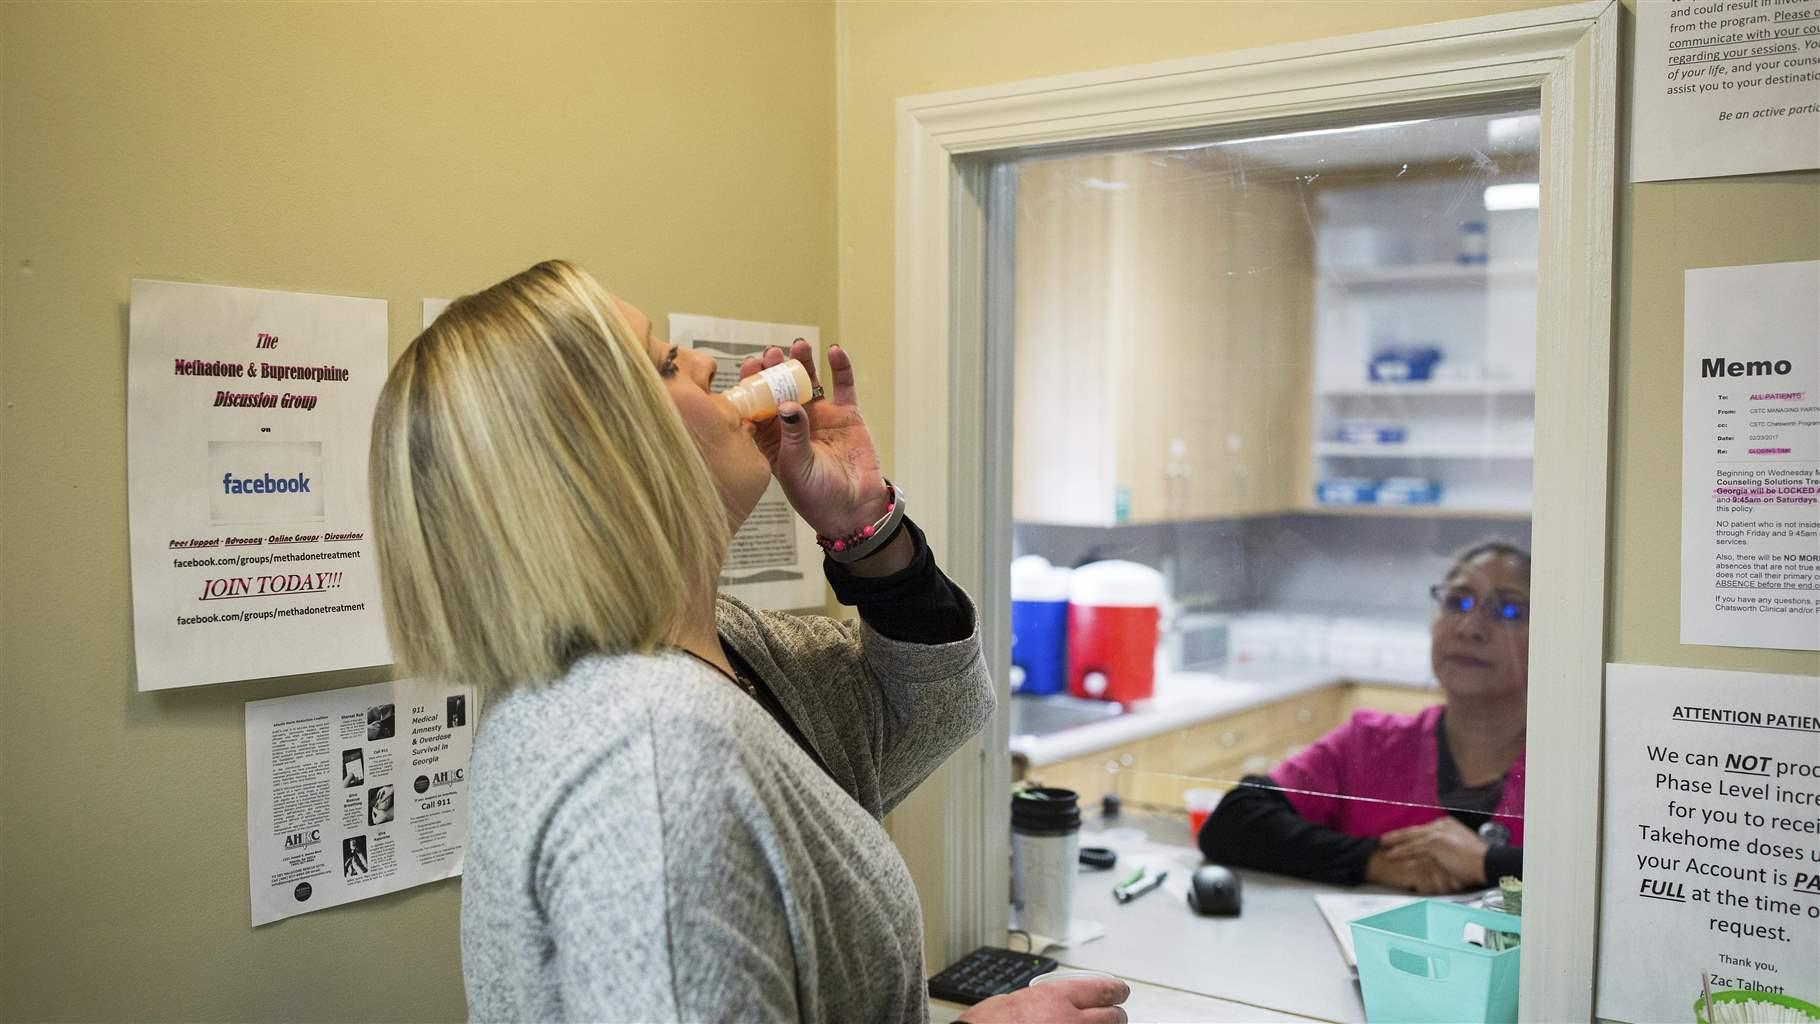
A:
[1430,803]
[675,802]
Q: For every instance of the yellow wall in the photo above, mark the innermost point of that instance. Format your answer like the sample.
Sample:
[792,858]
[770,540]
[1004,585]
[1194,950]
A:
[887,51]
[891,50]
[684,153]
[690,156]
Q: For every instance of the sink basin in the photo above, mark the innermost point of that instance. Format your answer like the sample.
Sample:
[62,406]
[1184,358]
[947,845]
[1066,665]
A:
[1041,716]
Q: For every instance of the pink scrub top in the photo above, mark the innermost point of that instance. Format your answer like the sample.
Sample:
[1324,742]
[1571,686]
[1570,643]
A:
[1385,766]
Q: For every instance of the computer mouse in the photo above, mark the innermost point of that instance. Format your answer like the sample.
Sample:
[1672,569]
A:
[1214,889]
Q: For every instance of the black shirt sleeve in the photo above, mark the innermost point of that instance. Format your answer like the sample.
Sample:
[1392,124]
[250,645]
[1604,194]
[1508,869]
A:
[916,604]
[1255,826]
[1501,861]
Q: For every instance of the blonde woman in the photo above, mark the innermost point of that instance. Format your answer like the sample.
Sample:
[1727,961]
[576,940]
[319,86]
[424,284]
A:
[675,798]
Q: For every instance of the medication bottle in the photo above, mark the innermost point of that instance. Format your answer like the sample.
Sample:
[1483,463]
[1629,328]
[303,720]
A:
[1475,248]
[757,397]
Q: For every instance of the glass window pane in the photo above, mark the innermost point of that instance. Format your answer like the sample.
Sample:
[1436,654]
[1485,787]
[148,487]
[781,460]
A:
[1274,406]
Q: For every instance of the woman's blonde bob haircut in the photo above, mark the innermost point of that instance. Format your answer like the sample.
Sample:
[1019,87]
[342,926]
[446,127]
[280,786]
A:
[536,497]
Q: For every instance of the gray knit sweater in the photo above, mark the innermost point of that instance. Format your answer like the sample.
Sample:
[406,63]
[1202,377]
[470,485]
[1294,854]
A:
[645,843]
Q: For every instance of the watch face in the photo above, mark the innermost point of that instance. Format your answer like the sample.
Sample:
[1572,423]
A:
[1495,833]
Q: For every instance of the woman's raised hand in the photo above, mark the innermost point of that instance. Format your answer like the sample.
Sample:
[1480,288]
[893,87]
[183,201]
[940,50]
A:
[822,453]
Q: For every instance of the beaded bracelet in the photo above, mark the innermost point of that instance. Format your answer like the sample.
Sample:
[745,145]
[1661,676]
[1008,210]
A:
[868,539]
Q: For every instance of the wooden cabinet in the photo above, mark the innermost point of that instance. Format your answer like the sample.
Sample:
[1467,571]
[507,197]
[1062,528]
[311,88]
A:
[1163,324]
[1398,700]
[1215,754]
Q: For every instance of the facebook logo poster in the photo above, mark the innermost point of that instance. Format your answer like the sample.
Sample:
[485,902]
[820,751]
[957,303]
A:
[265,482]
[249,418]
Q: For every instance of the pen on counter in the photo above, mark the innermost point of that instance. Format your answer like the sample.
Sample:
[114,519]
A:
[1130,889]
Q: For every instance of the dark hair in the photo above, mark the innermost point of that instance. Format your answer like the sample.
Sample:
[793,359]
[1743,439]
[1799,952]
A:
[1501,548]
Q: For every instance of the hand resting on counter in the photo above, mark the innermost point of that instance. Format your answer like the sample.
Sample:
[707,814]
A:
[1081,1001]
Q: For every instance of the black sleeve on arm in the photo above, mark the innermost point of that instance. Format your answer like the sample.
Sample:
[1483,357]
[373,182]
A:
[916,604]
[1255,826]
[1501,861]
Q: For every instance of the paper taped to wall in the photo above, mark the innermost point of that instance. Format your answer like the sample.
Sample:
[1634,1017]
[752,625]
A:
[378,774]
[1711,860]
[1750,457]
[775,562]
[1725,87]
[248,415]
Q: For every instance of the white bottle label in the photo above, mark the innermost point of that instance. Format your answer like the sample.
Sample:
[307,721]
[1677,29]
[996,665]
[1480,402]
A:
[782,383]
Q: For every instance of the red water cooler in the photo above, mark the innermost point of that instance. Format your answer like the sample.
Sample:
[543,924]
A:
[1113,612]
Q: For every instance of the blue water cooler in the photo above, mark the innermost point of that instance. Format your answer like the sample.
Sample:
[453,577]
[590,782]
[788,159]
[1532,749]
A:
[1039,626]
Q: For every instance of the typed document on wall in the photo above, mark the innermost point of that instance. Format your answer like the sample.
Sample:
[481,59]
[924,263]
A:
[775,562]
[248,415]
[1711,859]
[1725,87]
[1750,457]
[354,793]
[432,308]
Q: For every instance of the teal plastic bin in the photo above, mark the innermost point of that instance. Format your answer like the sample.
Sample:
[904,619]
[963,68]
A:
[1416,967]
[1781,1007]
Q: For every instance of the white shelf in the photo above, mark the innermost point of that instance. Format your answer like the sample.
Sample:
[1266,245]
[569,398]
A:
[1429,274]
[1419,450]
[1421,388]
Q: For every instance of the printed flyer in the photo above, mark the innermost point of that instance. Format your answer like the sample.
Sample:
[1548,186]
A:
[774,562]
[432,308]
[376,774]
[1750,457]
[1725,87]
[1712,845]
[248,414]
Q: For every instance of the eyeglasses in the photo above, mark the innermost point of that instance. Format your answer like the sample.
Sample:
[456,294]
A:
[1458,601]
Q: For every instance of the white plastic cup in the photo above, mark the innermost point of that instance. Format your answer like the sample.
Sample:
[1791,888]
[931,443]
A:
[1201,803]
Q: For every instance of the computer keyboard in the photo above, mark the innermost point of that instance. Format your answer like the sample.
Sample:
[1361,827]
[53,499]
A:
[987,971]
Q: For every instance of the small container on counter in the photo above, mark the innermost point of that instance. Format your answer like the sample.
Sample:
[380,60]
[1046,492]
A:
[1396,364]
[1475,246]
[1405,653]
[1114,610]
[1346,490]
[1409,490]
[1371,432]
[1196,641]
[1355,643]
[1039,626]
[1263,636]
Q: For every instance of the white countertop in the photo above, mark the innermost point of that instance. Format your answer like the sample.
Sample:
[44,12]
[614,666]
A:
[1188,698]
[1159,1004]
[1278,955]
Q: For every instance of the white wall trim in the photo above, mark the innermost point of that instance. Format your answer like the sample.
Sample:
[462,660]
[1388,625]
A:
[1570,54]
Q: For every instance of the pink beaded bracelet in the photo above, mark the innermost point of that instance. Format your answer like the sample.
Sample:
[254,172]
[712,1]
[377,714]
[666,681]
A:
[867,539]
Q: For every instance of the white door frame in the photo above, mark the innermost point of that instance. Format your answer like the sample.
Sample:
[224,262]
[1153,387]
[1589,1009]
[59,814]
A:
[1570,55]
